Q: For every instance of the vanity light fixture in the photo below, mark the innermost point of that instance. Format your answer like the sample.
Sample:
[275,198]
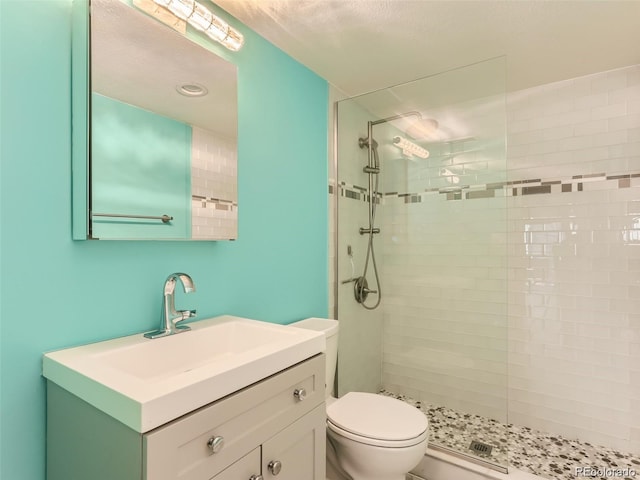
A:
[409,148]
[202,19]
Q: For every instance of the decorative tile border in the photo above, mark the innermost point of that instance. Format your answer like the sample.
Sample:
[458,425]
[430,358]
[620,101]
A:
[540,453]
[514,188]
[215,203]
[356,192]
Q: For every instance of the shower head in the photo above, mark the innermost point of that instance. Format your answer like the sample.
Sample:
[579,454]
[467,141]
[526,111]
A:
[423,129]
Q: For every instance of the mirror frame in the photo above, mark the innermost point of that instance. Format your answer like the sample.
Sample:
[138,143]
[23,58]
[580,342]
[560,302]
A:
[80,91]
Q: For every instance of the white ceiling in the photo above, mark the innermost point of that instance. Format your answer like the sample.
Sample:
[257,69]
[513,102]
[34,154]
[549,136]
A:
[140,61]
[365,45]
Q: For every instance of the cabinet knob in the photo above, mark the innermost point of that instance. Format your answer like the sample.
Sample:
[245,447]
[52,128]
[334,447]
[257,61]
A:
[256,477]
[215,444]
[300,394]
[274,467]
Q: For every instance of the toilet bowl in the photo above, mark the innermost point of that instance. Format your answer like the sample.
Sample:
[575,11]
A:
[369,436]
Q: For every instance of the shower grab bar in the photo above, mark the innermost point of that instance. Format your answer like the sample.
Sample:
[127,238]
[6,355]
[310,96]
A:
[162,218]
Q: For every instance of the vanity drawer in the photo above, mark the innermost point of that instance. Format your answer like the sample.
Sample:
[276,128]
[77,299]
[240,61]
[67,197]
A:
[244,420]
[242,469]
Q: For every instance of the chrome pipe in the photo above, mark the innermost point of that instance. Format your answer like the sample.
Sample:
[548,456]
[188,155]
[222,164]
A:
[371,165]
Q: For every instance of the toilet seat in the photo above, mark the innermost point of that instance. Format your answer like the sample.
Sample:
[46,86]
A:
[377,420]
[375,442]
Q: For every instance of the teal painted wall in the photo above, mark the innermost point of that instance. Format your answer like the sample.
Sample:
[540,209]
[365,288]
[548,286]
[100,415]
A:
[56,292]
[141,165]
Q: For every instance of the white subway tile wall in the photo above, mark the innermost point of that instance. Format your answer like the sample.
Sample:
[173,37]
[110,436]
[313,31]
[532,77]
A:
[574,259]
[445,303]
[519,298]
[214,186]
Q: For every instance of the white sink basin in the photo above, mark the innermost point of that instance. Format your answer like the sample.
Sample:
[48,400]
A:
[145,383]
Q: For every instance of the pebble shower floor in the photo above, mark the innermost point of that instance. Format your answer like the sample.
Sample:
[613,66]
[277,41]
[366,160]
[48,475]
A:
[543,454]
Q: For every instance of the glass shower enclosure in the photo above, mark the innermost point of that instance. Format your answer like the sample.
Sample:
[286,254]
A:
[421,249]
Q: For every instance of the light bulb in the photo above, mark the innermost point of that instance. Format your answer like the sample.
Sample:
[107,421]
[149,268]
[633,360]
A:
[201,18]
[234,40]
[181,8]
[218,30]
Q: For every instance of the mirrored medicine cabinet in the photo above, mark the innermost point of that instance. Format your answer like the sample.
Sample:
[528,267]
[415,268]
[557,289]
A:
[154,128]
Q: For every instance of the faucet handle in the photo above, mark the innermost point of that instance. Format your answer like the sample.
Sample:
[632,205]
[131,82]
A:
[184,314]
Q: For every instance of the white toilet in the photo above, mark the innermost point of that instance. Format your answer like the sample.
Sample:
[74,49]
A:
[370,437]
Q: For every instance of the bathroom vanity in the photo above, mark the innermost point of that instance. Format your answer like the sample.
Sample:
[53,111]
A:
[273,427]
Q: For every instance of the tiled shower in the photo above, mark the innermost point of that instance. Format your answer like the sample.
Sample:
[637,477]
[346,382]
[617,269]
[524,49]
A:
[214,169]
[510,265]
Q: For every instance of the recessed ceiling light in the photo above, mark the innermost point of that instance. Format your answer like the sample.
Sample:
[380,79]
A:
[192,90]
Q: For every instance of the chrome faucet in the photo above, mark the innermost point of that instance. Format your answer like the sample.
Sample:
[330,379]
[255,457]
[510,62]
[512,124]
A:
[170,316]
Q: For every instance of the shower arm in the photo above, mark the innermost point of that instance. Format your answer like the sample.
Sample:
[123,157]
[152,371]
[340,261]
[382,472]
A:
[396,117]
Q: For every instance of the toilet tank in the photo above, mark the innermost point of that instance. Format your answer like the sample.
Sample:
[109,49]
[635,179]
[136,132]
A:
[330,329]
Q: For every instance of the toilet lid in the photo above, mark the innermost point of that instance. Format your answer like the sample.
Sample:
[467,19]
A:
[376,416]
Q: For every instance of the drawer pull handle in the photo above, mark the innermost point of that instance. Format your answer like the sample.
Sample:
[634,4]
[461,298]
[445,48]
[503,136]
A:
[275,467]
[300,394]
[256,477]
[215,444]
